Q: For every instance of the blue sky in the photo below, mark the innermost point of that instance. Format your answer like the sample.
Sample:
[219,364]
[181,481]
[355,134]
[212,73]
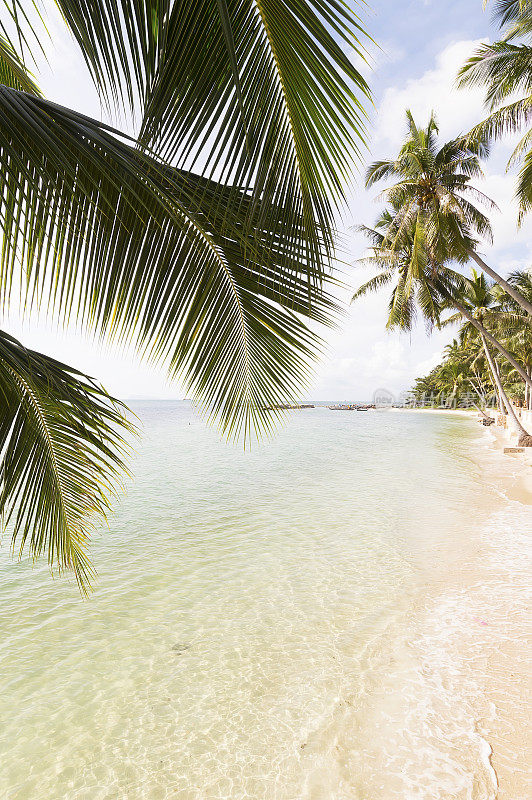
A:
[422,44]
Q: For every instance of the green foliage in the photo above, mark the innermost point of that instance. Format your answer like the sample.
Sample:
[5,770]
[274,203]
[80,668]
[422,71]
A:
[207,241]
[62,456]
[433,197]
[464,368]
[504,70]
[13,72]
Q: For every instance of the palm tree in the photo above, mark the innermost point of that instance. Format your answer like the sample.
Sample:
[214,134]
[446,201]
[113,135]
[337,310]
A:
[434,197]
[397,264]
[418,285]
[504,69]
[205,241]
[520,334]
[481,302]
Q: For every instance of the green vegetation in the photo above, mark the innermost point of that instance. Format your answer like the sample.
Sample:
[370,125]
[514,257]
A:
[205,241]
[471,371]
[504,68]
[436,220]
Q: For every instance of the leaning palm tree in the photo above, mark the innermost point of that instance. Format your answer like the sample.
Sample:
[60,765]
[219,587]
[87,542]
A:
[504,69]
[433,196]
[418,283]
[205,241]
[482,304]
[520,333]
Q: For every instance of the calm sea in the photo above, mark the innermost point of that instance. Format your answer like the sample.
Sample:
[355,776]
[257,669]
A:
[284,623]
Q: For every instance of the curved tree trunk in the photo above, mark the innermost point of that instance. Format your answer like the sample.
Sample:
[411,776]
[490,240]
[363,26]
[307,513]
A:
[501,404]
[524,438]
[523,302]
[489,336]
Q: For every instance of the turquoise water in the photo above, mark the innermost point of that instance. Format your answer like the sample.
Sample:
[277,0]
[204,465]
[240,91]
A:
[259,624]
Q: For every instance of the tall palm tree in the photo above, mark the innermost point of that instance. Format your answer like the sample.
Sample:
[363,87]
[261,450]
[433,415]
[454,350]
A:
[504,69]
[417,283]
[434,197]
[205,241]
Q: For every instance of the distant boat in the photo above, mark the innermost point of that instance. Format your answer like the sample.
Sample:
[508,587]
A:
[287,407]
[350,407]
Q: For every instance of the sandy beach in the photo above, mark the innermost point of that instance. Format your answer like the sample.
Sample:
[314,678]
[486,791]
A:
[508,656]
[498,655]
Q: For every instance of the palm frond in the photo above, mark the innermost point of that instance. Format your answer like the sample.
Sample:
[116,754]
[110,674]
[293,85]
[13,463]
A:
[503,121]
[502,68]
[158,257]
[253,93]
[13,71]
[378,171]
[374,284]
[62,456]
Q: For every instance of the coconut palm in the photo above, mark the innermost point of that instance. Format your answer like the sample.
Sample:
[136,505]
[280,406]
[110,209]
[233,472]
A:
[408,272]
[504,69]
[400,253]
[520,333]
[461,370]
[482,304]
[204,241]
[434,197]
[451,381]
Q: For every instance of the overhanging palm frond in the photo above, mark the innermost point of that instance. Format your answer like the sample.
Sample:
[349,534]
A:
[501,67]
[13,71]
[159,257]
[61,455]
[253,93]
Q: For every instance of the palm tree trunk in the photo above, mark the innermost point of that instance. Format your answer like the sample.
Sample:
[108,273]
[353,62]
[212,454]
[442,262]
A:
[524,437]
[493,370]
[523,302]
[501,404]
[489,336]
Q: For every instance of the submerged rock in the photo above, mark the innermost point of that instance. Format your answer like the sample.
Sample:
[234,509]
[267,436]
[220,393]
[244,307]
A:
[180,647]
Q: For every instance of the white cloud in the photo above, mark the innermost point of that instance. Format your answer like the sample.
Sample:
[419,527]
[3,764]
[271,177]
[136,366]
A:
[457,111]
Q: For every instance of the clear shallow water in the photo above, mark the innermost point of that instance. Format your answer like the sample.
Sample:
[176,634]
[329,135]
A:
[271,624]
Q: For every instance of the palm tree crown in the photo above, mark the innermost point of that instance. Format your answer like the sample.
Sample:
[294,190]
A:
[504,69]
[435,201]
[433,195]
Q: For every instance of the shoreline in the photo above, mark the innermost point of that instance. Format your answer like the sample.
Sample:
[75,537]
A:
[516,468]
[498,653]
[509,651]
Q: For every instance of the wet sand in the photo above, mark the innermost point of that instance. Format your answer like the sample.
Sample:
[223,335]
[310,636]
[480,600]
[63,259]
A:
[509,652]
[499,652]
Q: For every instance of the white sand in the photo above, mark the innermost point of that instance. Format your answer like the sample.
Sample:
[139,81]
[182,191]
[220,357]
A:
[503,658]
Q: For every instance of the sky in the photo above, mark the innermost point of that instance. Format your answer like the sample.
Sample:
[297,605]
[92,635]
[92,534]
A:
[420,46]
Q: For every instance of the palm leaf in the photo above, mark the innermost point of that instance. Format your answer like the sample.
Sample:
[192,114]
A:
[374,284]
[158,257]
[61,456]
[13,71]
[259,94]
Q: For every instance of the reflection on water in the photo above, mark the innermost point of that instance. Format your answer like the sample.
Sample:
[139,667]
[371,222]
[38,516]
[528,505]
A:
[263,623]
